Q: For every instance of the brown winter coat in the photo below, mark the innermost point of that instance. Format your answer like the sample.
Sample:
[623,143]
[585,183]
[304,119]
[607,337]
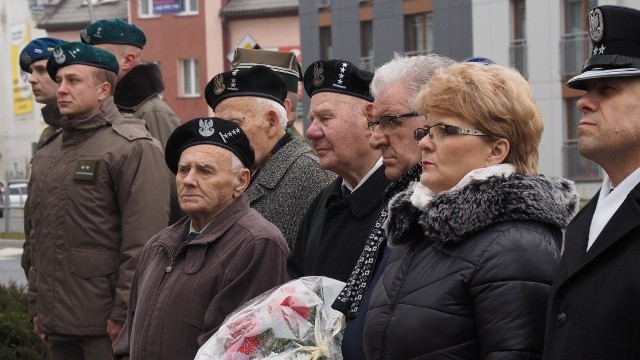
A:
[183,290]
[99,192]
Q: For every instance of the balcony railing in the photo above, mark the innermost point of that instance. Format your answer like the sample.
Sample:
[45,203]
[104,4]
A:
[578,168]
[574,51]
[366,63]
[518,56]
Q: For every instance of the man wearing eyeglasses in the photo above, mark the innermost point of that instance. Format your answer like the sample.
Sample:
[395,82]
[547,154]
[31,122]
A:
[337,223]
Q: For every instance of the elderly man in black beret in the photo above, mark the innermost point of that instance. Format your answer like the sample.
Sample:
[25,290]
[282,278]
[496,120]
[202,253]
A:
[336,225]
[285,176]
[33,60]
[196,272]
[99,192]
[594,306]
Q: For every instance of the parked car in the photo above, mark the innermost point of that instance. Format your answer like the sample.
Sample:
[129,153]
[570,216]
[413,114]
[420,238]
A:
[17,193]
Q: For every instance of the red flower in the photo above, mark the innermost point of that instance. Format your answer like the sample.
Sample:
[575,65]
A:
[297,304]
[242,334]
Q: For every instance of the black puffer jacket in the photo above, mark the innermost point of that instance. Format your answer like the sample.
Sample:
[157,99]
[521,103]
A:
[470,273]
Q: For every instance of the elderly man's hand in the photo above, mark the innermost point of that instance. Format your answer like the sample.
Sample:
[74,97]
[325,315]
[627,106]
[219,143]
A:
[113,329]
[38,330]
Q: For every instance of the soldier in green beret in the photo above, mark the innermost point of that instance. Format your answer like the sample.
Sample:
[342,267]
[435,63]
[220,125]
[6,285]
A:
[139,84]
[99,192]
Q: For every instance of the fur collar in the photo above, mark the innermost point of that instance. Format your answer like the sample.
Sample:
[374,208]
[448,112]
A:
[142,82]
[454,215]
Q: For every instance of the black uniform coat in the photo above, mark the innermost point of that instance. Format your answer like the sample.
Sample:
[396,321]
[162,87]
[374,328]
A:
[594,309]
[334,229]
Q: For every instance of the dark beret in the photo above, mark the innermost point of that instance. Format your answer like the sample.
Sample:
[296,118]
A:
[37,50]
[258,81]
[113,31]
[78,53]
[338,76]
[615,39]
[283,63]
[210,130]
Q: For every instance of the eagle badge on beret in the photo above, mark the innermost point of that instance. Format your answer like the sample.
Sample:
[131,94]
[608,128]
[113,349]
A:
[206,127]
[85,36]
[58,55]
[318,78]
[596,26]
[218,83]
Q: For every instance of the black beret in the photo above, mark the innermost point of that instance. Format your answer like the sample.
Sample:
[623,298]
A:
[78,53]
[615,39]
[338,76]
[210,130]
[259,81]
[113,31]
[37,50]
[284,63]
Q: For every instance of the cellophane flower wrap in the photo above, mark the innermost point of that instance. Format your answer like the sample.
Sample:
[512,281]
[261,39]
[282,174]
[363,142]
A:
[292,321]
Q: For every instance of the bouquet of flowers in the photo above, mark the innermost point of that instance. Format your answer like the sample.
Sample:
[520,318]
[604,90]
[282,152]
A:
[292,321]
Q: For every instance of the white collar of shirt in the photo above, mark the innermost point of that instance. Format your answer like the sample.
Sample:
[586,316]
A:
[609,202]
[362,181]
[192,229]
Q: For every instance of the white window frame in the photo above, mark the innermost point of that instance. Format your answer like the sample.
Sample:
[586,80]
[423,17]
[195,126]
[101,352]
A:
[150,13]
[187,8]
[189,78]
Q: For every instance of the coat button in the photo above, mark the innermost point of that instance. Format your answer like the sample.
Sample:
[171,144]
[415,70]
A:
[561,319]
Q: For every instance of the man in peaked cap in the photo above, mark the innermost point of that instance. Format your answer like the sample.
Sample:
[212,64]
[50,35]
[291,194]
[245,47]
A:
[594,306]
[286,175]
[221,255]
[139,85]
[336,224]
[284,64]
[99,191]
[33,60]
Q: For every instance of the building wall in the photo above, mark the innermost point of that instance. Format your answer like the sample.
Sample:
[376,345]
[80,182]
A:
[170,38]
[452,27]
[268,32]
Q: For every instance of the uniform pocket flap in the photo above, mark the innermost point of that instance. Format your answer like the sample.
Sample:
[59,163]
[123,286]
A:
[87,265]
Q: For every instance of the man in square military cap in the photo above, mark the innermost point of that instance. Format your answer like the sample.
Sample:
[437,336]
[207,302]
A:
[99,191]
[286,175]
[593,307]
[139,84]
[33,60]
[284,64]
[335,226]
[219,256]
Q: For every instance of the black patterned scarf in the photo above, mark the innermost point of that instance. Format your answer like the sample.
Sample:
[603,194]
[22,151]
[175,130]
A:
[351,296]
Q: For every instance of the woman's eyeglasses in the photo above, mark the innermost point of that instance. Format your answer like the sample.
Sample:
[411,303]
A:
[440,131]
[388,122]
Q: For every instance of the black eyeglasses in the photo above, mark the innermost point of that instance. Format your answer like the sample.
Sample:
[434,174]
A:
[440,131]
[388,122]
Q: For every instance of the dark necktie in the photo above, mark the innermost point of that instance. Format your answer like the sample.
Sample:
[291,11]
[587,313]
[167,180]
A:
[191,236]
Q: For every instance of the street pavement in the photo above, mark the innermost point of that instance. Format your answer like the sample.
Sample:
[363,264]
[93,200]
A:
[10,269]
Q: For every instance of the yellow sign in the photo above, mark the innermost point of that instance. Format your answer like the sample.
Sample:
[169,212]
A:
[22,99]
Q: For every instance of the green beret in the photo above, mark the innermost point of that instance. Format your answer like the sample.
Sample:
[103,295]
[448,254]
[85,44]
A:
[284,64]
[78,53]
[113,31]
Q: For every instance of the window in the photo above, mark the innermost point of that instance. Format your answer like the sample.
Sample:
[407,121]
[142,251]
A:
[574,46]
[326,51]
[576,167]
[518,47]
[418,33]
[366,45]
[188,6]
[145,8]
[190,86]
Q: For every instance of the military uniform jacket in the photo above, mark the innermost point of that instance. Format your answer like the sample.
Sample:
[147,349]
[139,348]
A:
[286,185]
[335,229]
[183,290]
[99,192]
[594,309]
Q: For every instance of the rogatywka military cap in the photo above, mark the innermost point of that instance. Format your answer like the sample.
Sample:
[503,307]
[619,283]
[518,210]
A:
[615,39]
[283,63]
